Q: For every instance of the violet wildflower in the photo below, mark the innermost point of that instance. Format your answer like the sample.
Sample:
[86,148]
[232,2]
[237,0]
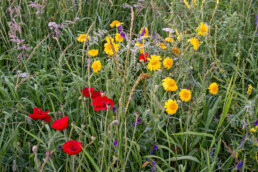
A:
[115,143]
[168,30]
[114,109]
[154,148]
[60,147]
[122,34]
[142,33]
[239,165]
[256,123]
[137,121]
[120,28]
[153,169]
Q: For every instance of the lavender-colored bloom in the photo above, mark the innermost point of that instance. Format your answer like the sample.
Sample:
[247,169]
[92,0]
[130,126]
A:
[60,147]
[137,121]
[115,143]
[256,123]
[239,165]
[114,109]
[168,30]
[153,169]
[120,29]
[122,34]
[243,140]
[154,148]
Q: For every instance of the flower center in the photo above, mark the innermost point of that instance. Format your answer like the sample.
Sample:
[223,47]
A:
[154,62]
[185,94]
[172,106]
[171,83]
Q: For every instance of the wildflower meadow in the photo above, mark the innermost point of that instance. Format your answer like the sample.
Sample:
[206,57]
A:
[128,85]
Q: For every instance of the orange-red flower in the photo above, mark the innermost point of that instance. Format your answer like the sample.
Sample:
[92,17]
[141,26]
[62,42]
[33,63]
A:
[143,57]
[87,91]
[39,114]
[60,124]
[100,103]
[72,147]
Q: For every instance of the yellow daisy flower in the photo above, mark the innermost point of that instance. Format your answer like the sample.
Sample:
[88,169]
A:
[176,51]
[141,45]
[169,84]
[93,52]
[202,29]
[115,23]
[171,106]
[214,88]
[82,37]
[108,47]
[119,38]
[154,63]
[168,62]
[195,43]
[96,66]
[169,39]
[185,95]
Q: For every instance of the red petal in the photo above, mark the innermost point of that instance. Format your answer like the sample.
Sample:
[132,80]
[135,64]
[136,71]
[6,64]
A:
[60,124]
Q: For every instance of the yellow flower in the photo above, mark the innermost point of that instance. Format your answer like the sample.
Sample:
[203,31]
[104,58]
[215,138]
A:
[93,52]
[154,63]
[169,84]
[108,47]
[185,95]
[141,45]
[214,88]
[115,23]
[162,45]
[119,38]
[179,35]
[171,106]
[82,37]
[96,66]
[250,88]
[168,62]
[176,51]
[194,2]
[202,29]
[187,4]
[144,32]
[195,43]
[169,39]
[252,130]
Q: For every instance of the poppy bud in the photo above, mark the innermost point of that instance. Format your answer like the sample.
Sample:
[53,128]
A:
[34,149]
[93,138]
[83,126]
[73,123]
[179,101]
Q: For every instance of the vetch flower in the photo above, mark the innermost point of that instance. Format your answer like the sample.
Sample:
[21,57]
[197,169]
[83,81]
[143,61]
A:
[250,89]
[87,91]
[39,114]
[169,84]
[115,23]
[119,38]
[108,46]
[202,29]
[143,57]
[100,103]
[194,42]
[154,148]
[256,123]
[60,124]
[137,122]
[120,29]
[214,88]
[96,66]
[122,34]
[176,51]
[72,147]
[153,169]
[154,63]
[115,143]
[93,52]
[185,95]
[82,38]
[239,165]
[171,106]
[168,62]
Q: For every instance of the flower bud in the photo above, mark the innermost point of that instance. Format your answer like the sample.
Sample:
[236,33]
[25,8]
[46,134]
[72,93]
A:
[93,138]
[34,149]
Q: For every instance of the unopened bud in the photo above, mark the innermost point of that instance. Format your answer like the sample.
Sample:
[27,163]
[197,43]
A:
[93,137]
[34,149]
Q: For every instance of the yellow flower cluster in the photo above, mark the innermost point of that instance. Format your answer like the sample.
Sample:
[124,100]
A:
[108,46]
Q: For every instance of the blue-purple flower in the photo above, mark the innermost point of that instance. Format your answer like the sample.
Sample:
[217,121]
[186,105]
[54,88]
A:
[115,143]
[239,165]
[120,29]
[122,34]
[154,148]
[153,169]
[137,121]
[256,122]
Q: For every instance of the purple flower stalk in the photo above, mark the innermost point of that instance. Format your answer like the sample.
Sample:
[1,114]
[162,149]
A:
[115,143]
[154,148]
[256,122]
[153,169]
[114,109]
[137,121]
[239,165]
[122,34]
[120,29]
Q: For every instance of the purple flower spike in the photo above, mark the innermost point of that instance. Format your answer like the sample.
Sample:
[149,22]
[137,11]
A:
[256,123]
[153,169]
[115,143]
[120,28]
[137,122]
[239,165]
[154,148]
[114,109]
[122,34]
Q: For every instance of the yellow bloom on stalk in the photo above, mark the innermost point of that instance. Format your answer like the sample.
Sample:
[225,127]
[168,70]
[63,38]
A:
[119,38]
[108,47]
[252,130]
[185,95]
[141,45]
[187,4]
[96,66]
[176,51]
[169,39]
[93,52]
[214,88]
[250,89]
[82,37]
[179,35]
[154,63]
[144,32]
[202,29]
[162,45]
[171,106]
[195,43]
[169,84]
[115,23]
[168,62]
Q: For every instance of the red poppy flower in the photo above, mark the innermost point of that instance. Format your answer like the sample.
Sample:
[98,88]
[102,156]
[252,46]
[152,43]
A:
[72,147]
[60,124]
[100,103]
[96,94]
[86,91]
[143,57]
[39,114]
